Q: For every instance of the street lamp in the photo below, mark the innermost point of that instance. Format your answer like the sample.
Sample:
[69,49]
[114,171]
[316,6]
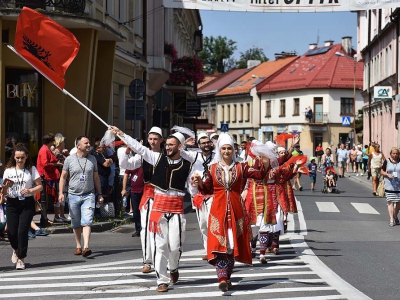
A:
[354,92]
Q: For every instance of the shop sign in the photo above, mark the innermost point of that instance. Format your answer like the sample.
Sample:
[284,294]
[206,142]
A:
[383,93]
[280,129]
[295,128]
[267,128]
[20,91]
[316,128]
[203,126]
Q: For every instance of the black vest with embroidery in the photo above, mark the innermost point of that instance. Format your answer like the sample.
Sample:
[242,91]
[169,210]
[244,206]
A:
[170,176]
[147,171]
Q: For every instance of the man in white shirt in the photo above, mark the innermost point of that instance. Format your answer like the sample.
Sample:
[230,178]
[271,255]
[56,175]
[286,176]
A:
[167,218]
[132,162]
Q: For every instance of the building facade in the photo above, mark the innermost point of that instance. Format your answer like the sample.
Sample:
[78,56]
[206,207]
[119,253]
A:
[326,79]
[378,44]
[115,49]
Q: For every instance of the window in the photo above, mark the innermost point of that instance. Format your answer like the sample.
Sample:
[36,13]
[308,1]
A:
[248,112]
[234,113]
[228,115]
[268,109]
[222,114]
[213,116]
[283,108]
[241,113]
[296,107]
[235,84]
[346,106]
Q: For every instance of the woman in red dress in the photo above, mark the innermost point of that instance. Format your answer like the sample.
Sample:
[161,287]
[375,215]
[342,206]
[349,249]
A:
[228,227]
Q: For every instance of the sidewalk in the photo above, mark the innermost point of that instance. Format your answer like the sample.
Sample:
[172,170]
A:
[57,228]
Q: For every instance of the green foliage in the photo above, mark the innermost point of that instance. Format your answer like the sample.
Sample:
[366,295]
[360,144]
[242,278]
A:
[254,53]
[359,121]
[215,51]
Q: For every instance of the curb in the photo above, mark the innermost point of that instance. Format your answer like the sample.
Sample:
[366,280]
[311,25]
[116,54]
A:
[97,227]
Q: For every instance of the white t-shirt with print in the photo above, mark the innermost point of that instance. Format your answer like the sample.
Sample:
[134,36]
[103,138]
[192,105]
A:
[22,179]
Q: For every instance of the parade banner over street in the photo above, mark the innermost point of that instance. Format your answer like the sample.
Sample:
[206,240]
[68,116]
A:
[283,5]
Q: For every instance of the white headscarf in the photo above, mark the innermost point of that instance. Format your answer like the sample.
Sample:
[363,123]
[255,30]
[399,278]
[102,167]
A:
[224,139]
[281,149]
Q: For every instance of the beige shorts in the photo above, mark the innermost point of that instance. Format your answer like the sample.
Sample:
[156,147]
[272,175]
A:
[375,172]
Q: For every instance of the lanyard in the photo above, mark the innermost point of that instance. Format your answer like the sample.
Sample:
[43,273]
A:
[84,167]
[22,179]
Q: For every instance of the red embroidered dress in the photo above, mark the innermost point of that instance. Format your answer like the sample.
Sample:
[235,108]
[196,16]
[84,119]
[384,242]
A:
[227,210]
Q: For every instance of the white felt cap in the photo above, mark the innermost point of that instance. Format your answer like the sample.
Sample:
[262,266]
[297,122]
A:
[202,136]
[180,137]
[156,130]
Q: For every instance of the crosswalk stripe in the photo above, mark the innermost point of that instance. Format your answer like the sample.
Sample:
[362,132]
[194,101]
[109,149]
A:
[365,208]
[138,280]
[230,293]
[165,296]
[327,207]
[327,297]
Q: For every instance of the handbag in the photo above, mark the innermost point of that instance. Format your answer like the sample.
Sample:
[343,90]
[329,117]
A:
[38,206]
[107,210]
[380,191]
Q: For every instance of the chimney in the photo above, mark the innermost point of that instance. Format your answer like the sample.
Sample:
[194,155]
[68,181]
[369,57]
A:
[328,43]
[253,63]
[346,45]
[313,46]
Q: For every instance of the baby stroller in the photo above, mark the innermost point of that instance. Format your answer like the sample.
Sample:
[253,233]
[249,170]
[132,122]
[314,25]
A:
[330,181]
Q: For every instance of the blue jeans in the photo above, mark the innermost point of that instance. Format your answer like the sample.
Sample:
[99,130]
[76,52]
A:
[81,209]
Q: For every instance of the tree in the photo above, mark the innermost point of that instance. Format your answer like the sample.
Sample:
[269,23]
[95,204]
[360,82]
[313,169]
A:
[215,51]
[254,53]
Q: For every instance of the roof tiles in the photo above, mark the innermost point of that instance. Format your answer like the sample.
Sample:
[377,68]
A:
[221,82]
[325,70]
[249,80]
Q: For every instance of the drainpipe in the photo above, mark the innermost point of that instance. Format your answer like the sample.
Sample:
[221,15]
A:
[369,80]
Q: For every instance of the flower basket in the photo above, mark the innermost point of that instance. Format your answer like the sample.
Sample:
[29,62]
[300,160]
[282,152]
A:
[186,70]
[169,49]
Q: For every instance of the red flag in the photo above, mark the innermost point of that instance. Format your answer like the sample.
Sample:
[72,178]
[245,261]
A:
[46,45]
[281,138]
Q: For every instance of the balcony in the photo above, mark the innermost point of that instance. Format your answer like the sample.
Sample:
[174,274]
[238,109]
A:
[318,118]
[159,68]
[66,6]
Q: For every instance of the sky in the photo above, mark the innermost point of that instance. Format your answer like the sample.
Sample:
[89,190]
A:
[277,32]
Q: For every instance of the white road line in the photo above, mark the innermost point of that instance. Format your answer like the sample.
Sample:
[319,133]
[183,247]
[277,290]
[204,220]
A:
[104,275]
[327,207]
[231,293]
[290,224]
[330,277]
[331,297]
[302,221]
[165,296]
[138,280]
[365,208]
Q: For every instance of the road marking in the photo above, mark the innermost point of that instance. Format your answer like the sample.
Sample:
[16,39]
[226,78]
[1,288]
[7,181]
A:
[327,207]
[343,287]
[302,221]
[365,208]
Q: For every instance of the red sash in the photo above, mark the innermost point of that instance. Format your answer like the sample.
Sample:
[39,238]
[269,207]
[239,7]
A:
[198,200]
[164,204]
[148,192]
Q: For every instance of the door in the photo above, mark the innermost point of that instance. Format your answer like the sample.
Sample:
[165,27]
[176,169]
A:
[318,139]
[23,110]
[318,110]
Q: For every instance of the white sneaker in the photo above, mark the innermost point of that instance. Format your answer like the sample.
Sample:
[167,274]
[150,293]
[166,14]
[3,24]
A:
[20,265]
[361,174]
[14,257]
[357,175]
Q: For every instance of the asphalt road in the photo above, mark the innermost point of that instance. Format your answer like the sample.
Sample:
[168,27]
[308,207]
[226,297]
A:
[349,232]
[355,259]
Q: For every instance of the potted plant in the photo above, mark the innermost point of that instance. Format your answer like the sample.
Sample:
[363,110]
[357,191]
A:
[169,49]
[186,70]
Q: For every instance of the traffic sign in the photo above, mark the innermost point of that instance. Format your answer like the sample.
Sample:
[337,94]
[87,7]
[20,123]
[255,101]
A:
[346,121]
[224,127]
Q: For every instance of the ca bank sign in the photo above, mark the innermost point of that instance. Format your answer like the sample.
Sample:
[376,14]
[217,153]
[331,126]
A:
[383,93]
